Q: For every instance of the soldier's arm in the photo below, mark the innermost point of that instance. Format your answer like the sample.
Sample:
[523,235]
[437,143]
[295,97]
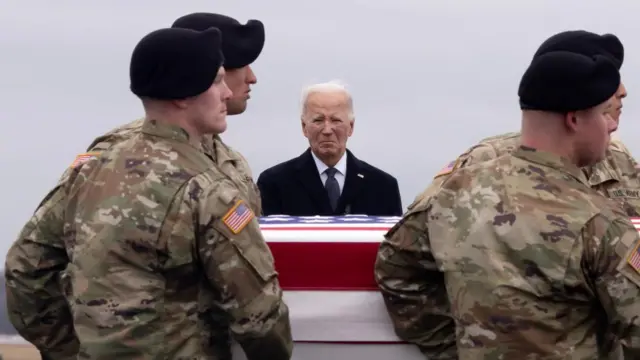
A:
[612,260]
[240,266]
[36,305]
[413,289]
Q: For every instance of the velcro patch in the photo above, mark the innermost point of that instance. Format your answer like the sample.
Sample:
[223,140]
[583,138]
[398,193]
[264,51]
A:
[634,258]
[447,169]
[238,217]
[82,158]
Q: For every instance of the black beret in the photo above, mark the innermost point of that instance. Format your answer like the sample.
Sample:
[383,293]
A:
[241,44]
[172,64]
[585,43]
[563,81]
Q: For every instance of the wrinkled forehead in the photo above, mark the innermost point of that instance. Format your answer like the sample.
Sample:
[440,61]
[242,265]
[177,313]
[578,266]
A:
[327,104]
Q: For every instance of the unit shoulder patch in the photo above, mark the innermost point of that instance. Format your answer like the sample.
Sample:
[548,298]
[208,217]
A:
[238,217]
[634,258]
[448,169]
[84,157]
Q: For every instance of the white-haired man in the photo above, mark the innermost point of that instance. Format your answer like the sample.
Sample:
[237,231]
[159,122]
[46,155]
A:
[327,179]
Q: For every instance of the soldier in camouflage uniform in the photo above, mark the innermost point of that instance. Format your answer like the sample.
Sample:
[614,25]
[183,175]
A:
[615,177]
[517,257]
[36,261]
[170,232]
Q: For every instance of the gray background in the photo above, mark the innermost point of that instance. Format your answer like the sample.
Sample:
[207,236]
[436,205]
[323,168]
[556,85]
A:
[428,79]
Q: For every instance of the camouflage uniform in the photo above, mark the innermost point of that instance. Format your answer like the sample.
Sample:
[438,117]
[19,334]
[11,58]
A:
[35,263]
[145,222]
[230,161]
[536,264]
[616,176]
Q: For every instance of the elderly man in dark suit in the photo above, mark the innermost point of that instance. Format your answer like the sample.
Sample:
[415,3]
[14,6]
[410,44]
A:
[328,179]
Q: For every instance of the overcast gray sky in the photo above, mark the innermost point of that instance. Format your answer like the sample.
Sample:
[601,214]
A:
[428,79]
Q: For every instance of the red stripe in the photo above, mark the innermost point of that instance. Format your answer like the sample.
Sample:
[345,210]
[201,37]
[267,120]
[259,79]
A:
[325,266]
[236,219]
[332,228]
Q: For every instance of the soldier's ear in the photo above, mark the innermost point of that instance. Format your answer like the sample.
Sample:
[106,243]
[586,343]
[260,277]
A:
[181,104]
[571,121]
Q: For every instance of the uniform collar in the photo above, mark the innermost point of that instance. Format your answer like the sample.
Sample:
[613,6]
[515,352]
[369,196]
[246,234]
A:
[603,171]
[165,130]
[219,150]
[552,161]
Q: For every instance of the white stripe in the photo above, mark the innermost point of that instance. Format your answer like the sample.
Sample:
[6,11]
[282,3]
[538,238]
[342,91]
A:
[330,227]
[339,316]
[360,236]
[347,352]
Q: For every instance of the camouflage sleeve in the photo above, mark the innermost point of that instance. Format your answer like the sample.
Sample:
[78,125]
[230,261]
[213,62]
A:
[240,266]
[414,290]
[34,266]
[612,261]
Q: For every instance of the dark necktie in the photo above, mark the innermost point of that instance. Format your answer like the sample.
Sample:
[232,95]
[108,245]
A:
[333,189]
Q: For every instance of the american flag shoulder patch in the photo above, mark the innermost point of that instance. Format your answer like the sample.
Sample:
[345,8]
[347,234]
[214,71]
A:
[82,158]
[238,217]
[634,258]
[447,169]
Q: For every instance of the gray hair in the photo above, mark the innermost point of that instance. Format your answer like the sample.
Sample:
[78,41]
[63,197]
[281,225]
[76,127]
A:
[333,86]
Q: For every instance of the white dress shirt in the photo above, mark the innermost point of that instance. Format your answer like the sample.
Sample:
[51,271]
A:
[340,175]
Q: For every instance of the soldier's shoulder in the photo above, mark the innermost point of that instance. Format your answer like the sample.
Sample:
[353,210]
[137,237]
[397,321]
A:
[214,191]
[477,154]
[483,151]
[510,136]
[619,153]
[502,143]
[573,203]
[480,177]
[235,153]
[490,148]
[618,159]
[616,145]
[143,157]
[116,135]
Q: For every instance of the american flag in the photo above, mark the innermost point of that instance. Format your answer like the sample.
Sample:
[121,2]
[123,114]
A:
[238,217]
[447,169]
[634,258]
[81,158]
[325,267]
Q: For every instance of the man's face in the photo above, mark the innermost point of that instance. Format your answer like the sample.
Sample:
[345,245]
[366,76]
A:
[616,108]
[593,132]
[239,81]
[326,123]
[208,111]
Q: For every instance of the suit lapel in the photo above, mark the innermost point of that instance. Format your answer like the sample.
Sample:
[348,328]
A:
[310,179]
[353,183]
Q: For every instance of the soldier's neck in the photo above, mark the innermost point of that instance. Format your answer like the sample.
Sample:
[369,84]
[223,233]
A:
[550,145]
[175,119]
